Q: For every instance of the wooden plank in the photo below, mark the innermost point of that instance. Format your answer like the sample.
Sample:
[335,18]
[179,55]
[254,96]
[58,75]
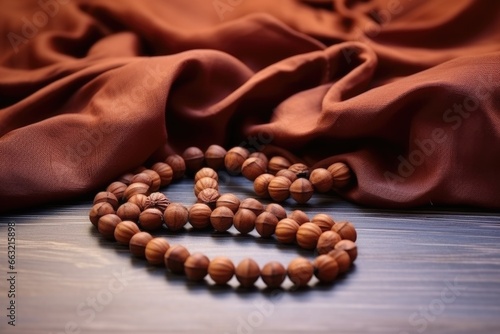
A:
[433,270]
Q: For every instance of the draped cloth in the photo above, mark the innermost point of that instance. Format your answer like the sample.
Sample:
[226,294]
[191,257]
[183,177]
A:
[405,92]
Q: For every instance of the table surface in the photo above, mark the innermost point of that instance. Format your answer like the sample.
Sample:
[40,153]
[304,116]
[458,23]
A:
[432,270]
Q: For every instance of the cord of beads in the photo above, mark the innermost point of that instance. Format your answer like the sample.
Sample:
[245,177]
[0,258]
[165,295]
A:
[134,202]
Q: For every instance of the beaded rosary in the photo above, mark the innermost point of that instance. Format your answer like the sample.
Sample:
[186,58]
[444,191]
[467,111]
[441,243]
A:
[135,202]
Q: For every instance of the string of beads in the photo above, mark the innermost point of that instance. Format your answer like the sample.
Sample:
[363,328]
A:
[133,207]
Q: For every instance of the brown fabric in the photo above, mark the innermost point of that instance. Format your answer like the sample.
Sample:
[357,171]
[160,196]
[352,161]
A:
[405,92]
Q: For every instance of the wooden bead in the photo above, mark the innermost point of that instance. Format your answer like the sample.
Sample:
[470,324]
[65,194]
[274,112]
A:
[277,210]
[253,205]
[341,174]
[326,268]
[221,269]
[324,221]
[196,267]
[138,242]
[117,188]
[165,172]
[155,179]
[299,216]
[346,230]
[300,169]
[279,188]
[206,172]
[98,210]
[143,178]
[107,225]
[273,274]
[176,162]
[327,242]
[260,156]
[214,156]
[175,257]
[342,258]
[124,231]
[308,235]
[301,190]
[199,216]
[128,211]
[286,231]
[157,200]
[194,159]
[277,163]
[176,216]
[265,224]
[261,185]
[126,178]
[107,197]
[155,251]
[139,200]
[253,167]
[208,196]
[221,218]
[350,247]
[234,159]
[244,221]
[204,183]
[288,174]
[321,179]
[229,200]
[151,219]
[247,272]
[136,188]
[300,271]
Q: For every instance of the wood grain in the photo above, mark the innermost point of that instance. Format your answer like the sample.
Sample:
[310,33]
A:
[432,270]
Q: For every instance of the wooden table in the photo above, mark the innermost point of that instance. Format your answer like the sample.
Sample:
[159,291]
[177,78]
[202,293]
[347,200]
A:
[420,271]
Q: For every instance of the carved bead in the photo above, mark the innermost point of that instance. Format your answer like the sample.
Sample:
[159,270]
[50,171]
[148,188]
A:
[234,159]
[286,230]
[176,162]
[326,268]
[341,174]
[157,200]
[175,257]
[125,230]
[300,169]
[273,274]
[253,167]
[265,224]
[229,200]
[151,219]
[194,159]
[208,196]
[346,230]
[176,216]
[244,221]
[301,190]
[196,267]
[300,271]
[278,163]
[138,244]
[261,185]
[98,210]
[199,215]
[321,179]
[165,172]
[221,269]
[324,221]
[308,235]
[155,251]
[221,218]
[214,156]
[247,272]
[279,188]
[327,242]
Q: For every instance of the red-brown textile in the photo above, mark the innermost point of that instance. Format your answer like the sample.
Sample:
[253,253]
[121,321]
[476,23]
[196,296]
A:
[405,92]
